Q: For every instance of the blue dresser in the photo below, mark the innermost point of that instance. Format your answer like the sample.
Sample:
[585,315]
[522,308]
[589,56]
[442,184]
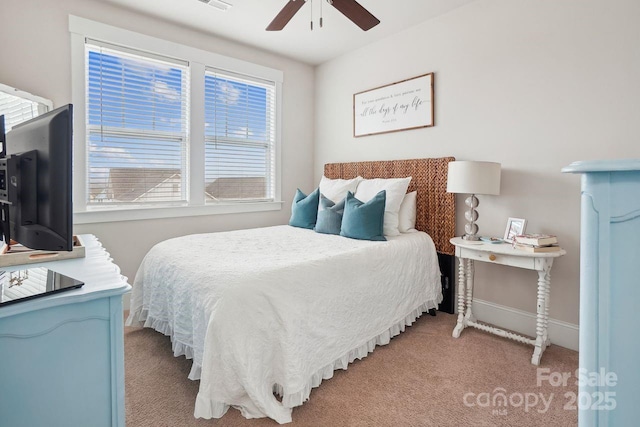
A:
[609,388]
[62,356]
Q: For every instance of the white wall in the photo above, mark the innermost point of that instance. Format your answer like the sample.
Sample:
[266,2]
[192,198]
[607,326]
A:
[534,85]
[36,58]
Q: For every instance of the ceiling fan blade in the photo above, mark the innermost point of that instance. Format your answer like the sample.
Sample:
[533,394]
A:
[285,15]
[356,13]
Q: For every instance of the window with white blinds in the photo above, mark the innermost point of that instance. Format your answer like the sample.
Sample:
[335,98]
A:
[17,110]
[137,127]
[239,137]
[170,130]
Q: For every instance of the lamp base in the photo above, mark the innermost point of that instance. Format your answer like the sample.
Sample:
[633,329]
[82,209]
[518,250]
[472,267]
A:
[471,228]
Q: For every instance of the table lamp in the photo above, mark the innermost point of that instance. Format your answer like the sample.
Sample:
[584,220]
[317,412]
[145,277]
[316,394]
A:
[473,178]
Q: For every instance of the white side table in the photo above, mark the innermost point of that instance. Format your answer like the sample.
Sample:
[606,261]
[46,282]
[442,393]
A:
[504,254]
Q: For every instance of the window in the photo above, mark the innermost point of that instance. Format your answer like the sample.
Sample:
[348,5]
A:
[169,127]
[137,123]
[239,137]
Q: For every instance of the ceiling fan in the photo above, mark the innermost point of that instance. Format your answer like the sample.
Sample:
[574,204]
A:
[349,8]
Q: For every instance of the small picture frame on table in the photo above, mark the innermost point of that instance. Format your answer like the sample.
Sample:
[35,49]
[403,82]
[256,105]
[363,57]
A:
[515,226]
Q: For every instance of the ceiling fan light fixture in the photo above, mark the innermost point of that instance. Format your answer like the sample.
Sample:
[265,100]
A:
[218,4]
[349,8]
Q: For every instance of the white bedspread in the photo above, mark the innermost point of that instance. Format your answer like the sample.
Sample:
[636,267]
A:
[279,308]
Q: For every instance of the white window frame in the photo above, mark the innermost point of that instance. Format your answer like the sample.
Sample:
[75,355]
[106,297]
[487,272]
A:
[82,29]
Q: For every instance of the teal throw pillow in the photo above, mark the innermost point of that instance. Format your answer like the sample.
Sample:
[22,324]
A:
[329,216]
[364,221]
[304,209]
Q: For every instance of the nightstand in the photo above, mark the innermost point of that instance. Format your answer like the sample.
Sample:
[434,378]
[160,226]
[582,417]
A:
[468,252]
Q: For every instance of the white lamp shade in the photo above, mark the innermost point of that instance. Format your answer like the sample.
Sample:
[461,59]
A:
[473,177]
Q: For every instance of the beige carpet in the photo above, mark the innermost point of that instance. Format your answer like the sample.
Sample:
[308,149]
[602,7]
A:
[420,379]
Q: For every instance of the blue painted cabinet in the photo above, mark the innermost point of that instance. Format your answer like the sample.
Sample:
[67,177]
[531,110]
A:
[609,388]
[62,356]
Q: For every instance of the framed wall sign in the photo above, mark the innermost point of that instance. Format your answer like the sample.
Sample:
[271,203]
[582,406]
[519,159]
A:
[403,105]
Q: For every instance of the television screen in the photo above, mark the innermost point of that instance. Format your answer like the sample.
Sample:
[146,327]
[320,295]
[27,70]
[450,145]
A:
[36,180]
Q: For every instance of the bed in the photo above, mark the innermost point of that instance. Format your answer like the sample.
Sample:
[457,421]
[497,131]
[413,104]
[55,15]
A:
[275,310]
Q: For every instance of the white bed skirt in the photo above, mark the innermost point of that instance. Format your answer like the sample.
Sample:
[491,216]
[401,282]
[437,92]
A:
[205,408]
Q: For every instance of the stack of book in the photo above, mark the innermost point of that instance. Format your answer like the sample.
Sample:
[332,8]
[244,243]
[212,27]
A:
[536,243]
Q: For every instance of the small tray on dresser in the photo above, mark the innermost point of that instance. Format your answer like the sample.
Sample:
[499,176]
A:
[19,255]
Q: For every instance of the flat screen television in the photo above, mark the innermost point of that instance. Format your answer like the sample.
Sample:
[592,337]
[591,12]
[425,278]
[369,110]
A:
[35,181]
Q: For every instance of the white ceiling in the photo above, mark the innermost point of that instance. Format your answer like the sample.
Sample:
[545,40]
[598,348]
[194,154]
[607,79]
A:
[246,21]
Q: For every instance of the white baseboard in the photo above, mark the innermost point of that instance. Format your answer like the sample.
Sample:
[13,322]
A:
[561,333]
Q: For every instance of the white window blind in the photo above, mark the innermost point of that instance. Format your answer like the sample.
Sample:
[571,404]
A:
[137,127]
[239,137]
[17,110]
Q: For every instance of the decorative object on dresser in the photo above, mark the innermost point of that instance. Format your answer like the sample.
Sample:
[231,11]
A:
[515,226]
[609,295]
[63,355]
[403,105]
[469,177]
[20,255]
[504,254]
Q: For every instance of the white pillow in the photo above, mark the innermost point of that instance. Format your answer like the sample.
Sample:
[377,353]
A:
[407,213]
[396,188]
[336,189]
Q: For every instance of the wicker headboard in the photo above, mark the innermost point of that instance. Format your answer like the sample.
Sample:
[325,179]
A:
[436,209]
